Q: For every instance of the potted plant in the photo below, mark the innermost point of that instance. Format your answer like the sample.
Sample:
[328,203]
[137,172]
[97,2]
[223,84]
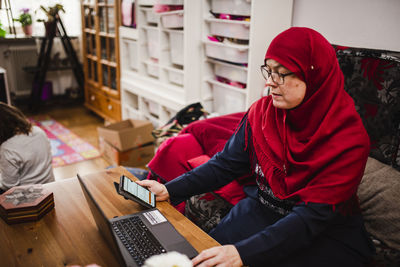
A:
[2,31]
[51,13]
[25,19]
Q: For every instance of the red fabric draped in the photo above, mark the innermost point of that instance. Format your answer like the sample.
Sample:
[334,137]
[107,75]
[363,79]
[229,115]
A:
[195,145]
[322,141]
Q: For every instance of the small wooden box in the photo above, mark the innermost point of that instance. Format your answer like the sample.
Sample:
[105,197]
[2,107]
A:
[25,203]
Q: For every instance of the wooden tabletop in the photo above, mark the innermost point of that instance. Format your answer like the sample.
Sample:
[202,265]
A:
[68,234]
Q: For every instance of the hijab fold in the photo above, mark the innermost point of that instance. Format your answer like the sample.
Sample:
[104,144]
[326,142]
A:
[317,151]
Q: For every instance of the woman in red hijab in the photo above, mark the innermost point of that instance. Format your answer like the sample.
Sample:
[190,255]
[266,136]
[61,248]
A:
[307,148]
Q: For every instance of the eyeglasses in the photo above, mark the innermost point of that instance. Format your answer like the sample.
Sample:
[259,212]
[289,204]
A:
[278,78]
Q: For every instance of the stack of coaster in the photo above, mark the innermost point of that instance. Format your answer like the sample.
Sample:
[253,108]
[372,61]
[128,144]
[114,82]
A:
[25,203]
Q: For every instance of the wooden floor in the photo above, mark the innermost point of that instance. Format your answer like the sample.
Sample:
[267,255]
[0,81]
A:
[83,123]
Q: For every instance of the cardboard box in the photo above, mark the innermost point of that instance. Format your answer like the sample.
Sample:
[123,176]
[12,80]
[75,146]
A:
[138,156]
[127,134]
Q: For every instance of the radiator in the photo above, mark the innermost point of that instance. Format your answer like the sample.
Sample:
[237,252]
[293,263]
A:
[19,81]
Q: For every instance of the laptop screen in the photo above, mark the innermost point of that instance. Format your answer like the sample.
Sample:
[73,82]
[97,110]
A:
[103,224]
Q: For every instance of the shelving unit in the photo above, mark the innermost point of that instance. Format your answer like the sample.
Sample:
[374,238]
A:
[238,58]
[100,36]
[160,61]
[164,69]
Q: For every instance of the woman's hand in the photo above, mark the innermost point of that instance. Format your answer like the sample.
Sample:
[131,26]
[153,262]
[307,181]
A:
[158,189]
[218,256]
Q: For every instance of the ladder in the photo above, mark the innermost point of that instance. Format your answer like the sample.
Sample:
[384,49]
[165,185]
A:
[54,29]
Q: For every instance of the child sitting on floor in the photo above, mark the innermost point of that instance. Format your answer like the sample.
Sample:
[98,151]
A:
[25,153]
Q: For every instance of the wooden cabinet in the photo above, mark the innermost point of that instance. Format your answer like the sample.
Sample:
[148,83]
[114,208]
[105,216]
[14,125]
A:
[100,21]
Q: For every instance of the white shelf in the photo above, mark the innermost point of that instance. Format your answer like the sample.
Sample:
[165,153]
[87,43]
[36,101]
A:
[184,72]
[240,61]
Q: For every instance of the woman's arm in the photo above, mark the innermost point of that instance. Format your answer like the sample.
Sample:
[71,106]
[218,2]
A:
[232,162]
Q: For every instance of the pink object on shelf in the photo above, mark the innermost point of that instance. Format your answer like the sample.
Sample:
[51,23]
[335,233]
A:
[230,17]
[159,8]
[128,13]
[224,16]
[237,84]
[231,83]
[212,38]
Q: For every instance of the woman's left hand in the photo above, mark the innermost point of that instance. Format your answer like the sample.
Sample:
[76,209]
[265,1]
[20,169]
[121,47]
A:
[218,256]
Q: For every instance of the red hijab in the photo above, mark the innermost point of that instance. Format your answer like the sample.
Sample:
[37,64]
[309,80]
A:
[322,142]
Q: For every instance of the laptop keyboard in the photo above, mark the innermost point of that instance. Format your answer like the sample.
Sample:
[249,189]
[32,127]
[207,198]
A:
[137,238]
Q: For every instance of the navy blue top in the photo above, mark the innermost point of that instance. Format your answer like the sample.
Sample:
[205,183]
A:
[290,233]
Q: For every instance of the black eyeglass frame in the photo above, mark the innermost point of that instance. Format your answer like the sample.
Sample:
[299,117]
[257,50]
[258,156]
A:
[281,75]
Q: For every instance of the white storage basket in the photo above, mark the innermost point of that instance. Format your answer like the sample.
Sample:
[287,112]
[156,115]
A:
[172,19]
[230,72]
[171,2]
[132,50]
[152,70]
[233,7]
[168,112]
[175,76]
[151,16]
[152,107]
[152,42]
[155,121]
[146,2]
[227,99]
[231,53]
[230,28]
[132,113]
[176,46]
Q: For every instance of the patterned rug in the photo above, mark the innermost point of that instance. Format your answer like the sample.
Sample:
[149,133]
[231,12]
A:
[66,147]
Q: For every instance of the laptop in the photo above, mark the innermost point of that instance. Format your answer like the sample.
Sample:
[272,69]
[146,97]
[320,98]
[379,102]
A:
[134,238]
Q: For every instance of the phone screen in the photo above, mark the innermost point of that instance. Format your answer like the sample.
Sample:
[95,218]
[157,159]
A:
[139,191]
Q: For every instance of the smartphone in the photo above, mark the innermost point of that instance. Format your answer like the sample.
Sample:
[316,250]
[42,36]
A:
[137,193]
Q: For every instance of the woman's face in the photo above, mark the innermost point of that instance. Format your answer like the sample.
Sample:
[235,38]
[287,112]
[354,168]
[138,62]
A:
[289,94]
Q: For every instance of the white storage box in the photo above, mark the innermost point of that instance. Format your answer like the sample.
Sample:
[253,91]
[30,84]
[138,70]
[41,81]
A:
[151,16]
[132,54]
[152,70]
[172,19]
[230,28]
[132,113]
[229,71]
[152,42]
[152,107]
[231,53]
[146,2]
[175,76]
[168,113]
[233,7]
[227,99]
[176,46]
[155,121]
[171,2]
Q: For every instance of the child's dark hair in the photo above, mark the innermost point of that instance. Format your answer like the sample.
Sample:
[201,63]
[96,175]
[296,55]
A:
[12,122]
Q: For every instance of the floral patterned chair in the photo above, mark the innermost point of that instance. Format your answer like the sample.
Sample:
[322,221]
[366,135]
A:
[372,78]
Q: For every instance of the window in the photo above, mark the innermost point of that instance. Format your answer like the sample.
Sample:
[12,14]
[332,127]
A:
[71,18]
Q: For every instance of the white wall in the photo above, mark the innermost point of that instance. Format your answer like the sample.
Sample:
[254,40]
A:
[358,23]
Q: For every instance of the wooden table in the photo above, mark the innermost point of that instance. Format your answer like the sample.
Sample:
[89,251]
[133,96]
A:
[68,234]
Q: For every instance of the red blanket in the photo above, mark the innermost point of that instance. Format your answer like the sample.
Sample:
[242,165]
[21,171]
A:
[195,145]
